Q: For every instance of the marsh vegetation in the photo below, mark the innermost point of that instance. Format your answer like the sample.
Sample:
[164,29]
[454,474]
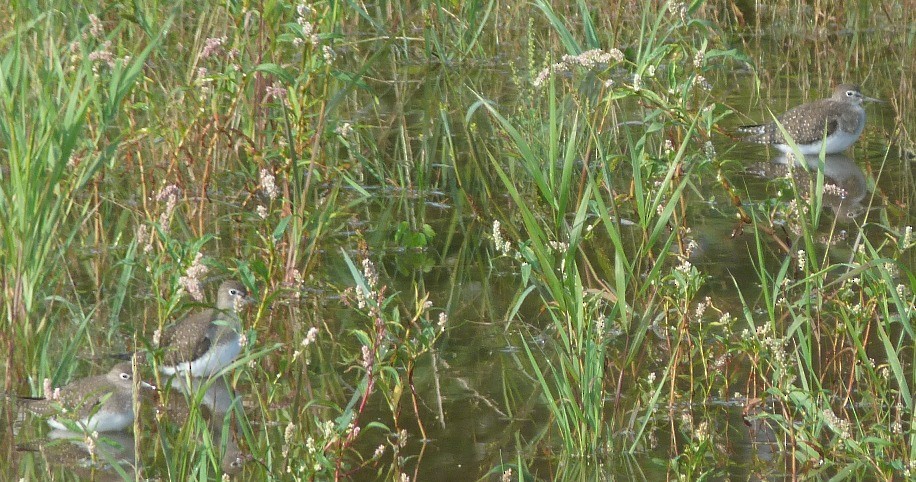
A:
[487,240]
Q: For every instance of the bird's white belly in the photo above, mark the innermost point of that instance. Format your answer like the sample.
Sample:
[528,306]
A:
[101,421]
[217,358]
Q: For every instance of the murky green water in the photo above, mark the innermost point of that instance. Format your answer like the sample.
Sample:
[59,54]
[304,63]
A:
[481,362]
[476,395]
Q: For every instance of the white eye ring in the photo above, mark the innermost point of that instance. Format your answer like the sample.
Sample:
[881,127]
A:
[125,376]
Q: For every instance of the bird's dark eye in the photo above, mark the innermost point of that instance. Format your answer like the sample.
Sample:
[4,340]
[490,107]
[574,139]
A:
[125,376]
[850,93]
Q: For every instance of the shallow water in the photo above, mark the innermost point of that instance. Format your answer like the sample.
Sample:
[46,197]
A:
[476,394]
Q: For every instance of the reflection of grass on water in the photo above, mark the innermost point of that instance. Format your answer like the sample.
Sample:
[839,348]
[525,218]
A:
[148,147]
[813,380]
[630,183]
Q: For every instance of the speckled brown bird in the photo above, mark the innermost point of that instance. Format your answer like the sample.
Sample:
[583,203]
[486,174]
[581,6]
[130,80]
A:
[204,343]
[834,123]
[102,403]
[214,396]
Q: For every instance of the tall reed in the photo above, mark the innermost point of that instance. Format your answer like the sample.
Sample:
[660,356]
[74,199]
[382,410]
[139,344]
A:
[60,110]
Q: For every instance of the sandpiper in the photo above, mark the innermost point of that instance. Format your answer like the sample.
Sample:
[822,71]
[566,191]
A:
[206,342]
[833,124]
[215,397]
[102,403]
[234,459]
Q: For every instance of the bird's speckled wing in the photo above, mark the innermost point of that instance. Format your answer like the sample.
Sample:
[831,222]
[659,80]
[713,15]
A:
[80,400]
[189,339]
[801,125]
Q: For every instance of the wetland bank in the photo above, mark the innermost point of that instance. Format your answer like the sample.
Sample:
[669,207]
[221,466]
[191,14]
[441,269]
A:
[485,240]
